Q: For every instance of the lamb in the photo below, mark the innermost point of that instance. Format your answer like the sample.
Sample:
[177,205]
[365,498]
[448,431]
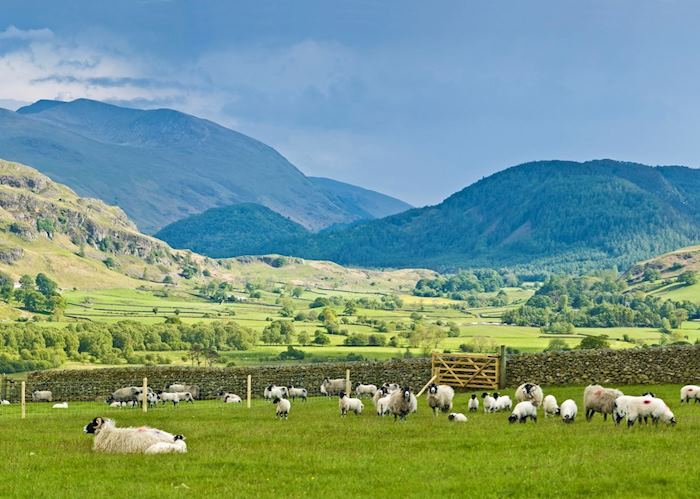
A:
[550,406]
[522,411]
[283,407]
[599,399]
[622,404]
[690,392]
[182,388]
[178,445]
[457,417]
[440,398]
[273,391]
[531,392]
[402,403]
[42,396]
[232,398]
[382,405]
[109,438]
[175,397]
[489,402]
[568,411]
[151,399]
[61,405]
[638,407]
[391,387]
[347,404]
[363,389]
[115,404]
[379,394]
[502,402]
[473,403]
[4,402]
[295,393]
[332,386]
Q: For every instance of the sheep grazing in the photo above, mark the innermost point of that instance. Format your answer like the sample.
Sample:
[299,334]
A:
[178,446]
[332,386]
[568,411]
[638,407]
[622,404]
[457,417]
[529,392]
[182,388]
[522,411]
[61,405]
[295,393]
[232,398]
[272,392]
[440,398]
[347,404]
[473,403]
[502,402]
[283,407]
[109,438]
[599,399]
[175,397]
[151,399]
[550,406]
[690,392]
[489,402]
[126,394]
[402,402]
[363,389]
[42,396]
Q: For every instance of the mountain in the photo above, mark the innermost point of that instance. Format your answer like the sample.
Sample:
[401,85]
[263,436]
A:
[162,165]
[243,229]
[363,203]
[547,215]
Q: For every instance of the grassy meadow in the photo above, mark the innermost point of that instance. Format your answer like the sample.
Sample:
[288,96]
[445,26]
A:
[238,452]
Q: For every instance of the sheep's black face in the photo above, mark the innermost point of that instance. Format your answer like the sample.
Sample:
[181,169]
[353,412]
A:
[276,400]
[473,396]
[651,394]
[451,417]
[528,387]
[407,393]
[341,394]
[93,426]
[179,437]
[484,395]
[433,389]
[512,418]
[495,395]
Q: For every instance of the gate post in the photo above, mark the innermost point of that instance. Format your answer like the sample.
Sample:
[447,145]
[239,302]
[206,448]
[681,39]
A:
[502,369]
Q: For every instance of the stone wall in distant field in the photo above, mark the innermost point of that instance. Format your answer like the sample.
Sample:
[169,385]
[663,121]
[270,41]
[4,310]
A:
[678,364]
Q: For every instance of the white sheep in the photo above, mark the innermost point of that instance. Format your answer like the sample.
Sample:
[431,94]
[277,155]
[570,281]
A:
[550,406]
[489,402]
[529,392]
[568,411]
[382,405]
[473,403]
[4,402]
[380,393]
[502,403]
[599,399]
[283,407]
[457,417]
[402,402]
[232,398]
[181,388]
[151,399]
[347,404]
[522,411]
[332,386]
[61,405]
[175,397]
[365,389]
[109,438]
[391,387]
[116,404]
[273,391]
[622,404]
[178,446]
[295,393]
[42,396]
[440,398]
[645,406]
[690,392]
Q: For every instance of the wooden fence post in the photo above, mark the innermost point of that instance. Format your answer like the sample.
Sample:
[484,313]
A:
[144,399]
[249,390]
[348,386]
[23,399]
[502,369]
[3,390]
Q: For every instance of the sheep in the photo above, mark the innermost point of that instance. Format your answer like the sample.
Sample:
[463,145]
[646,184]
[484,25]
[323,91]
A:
[599,399]
[363,389]
[42,396]
[232,398]
[115,404]
[440,398]
[489,402]
[522,411]
[126,394]
[182,388]
[690,392]
[473,403]
[109,438]
[295,393]
[61,405]
[332,386]
[382,405]
[272,392]
[531,392]
[151,399]
[175,397]
[379,394]
[346,404]
[391,387]
[568,411]
[283,407]
[402,402]
[457,417]
[178,446]
[502,402]
[638,407]
[550,406]
[4,402]
[621,407]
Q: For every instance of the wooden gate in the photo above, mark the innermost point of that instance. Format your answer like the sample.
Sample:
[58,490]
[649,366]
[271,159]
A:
[469,370]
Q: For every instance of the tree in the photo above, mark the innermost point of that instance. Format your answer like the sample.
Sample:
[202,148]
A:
[321,338]
[155,310]
[211,356]
[110,263]
[303,338]
[594,342]
[350,308]
[651,274]
[34,301]
[688,278]
[44,285]
[328,316]
[557,345]
[665,326]
[297,291]
[7,284]
[26,283]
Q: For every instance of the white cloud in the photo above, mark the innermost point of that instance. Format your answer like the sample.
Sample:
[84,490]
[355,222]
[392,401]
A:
[14,33]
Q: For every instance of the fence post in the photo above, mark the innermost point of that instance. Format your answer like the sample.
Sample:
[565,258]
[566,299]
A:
[249,390]
[502,369]
[23,399]
[3,382]
[348,386]
[144,399]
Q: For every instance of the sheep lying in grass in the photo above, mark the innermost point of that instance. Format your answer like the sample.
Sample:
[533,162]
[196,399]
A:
[457,417]
[42,396]
[283,407]
[522,411]
[529,392]
[347,404]
[550,406]
[273,391]
[232,398]
[365,389]
[109,438]
[489,402]
[4,402]
[690,392]
[473,403]
[502,402]
[402,402]
[332,386]
[440,398]
[178,446]
[645,406]
[568,411]
[61,405]
[599,399]
[295,393]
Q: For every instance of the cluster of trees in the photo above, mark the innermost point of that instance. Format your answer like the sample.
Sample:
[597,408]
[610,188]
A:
[386,302]
[39,294]
[460,286]
[597,301]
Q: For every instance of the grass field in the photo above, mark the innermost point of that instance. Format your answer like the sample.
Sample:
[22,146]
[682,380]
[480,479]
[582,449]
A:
[238,452]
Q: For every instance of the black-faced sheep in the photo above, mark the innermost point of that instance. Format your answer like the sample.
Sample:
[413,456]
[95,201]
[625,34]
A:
[568,411]
[645,406]
[503,402]
[529,392]
[457,417]
[347,404]
[109,438]
[440,398]
[272,392]
[178,446]
[690,392]
[473,403]
[522,411]
[295,393]
[489,402]
[599,399]
[283,406]
[42,396]
[550,406]
[332,386]
[402,402]
[365,389]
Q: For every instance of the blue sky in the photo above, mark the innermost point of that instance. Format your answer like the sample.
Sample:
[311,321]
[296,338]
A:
[416,99]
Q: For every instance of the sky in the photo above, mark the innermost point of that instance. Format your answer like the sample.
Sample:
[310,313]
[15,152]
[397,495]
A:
[414,99]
